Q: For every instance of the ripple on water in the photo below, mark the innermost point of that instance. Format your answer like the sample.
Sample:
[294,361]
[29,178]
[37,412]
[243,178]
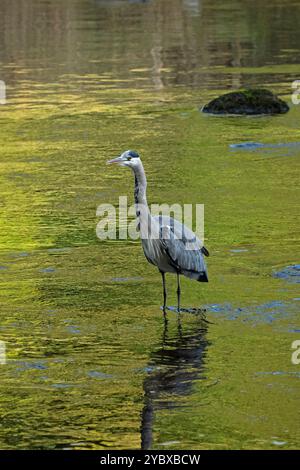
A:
[126,279]
[290,273]
[280,373]
[59,250]
[27,365]
[260,145]
[47,270]
[264,313]
[247,145]
[95,374]
[238,250]
[62,385]
[21,254]
[73,329]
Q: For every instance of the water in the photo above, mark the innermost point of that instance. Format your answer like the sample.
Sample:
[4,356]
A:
[90,362]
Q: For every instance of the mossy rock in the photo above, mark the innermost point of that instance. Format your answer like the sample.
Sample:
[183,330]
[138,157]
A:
[248,102]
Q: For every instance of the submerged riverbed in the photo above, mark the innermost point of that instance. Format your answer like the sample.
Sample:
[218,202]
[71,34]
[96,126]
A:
[90,362]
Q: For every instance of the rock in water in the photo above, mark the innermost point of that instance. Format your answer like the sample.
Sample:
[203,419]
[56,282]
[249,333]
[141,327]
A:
[249,102]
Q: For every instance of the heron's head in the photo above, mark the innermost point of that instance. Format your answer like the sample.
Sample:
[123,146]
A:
[128,158]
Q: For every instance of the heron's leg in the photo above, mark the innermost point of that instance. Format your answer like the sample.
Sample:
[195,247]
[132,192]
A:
[164,290]
[165,332]
[178,293]
[179,325]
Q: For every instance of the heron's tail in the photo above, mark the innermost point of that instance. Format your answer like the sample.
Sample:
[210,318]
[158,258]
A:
[200,276]
[204,251]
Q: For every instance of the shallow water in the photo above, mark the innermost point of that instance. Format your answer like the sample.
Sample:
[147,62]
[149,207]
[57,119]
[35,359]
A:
[90,361]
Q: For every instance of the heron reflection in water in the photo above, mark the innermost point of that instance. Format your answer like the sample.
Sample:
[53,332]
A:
[173,369]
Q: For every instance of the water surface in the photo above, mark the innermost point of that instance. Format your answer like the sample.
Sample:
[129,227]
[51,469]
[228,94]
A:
[91,363]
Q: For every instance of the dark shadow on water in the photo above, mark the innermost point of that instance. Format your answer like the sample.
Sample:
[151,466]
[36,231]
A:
[172,370]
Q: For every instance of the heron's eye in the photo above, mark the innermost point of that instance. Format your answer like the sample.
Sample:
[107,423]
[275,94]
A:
[128,158]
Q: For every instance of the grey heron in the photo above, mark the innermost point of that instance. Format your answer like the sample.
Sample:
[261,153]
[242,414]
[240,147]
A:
[168,244]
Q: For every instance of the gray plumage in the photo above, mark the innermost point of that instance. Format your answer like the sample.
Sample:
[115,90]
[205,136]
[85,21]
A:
[167,243]
[177,250]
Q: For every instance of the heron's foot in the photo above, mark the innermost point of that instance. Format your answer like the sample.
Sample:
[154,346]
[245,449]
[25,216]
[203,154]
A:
[198,310]
[164,309]
[168,308]
[193,310]
[176,309]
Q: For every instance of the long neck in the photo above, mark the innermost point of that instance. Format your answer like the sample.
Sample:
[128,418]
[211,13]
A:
[140,185]
[141,205]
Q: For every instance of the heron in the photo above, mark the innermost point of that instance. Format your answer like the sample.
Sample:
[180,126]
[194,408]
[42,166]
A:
[167,243]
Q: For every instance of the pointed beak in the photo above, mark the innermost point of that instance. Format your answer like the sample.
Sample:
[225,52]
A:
[114,160]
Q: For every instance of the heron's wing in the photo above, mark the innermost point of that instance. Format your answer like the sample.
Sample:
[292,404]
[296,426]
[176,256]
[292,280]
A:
[184,250]
[188,237]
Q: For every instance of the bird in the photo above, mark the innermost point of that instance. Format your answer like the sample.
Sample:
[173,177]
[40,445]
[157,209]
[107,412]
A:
[167,243]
